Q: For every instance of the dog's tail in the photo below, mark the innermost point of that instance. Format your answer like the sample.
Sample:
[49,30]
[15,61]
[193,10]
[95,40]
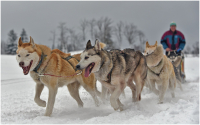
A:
[62,54]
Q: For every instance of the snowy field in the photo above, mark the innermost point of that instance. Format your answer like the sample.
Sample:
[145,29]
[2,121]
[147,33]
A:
[18,106]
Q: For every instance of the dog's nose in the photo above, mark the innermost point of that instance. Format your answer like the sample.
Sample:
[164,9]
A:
[21,64]
[77,66]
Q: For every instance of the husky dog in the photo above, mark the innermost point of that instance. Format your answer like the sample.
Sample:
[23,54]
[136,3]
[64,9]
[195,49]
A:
[176,61]
[160,71]
[48,68]
[114,70]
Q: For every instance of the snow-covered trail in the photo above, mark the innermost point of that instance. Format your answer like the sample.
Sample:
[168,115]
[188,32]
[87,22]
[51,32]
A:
[18,106]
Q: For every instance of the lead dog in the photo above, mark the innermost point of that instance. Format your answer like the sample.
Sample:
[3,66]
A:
[47,68]
[114,71]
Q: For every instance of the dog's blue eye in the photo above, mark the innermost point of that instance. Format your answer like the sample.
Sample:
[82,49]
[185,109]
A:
[18,55]
[86,57]
[27,54]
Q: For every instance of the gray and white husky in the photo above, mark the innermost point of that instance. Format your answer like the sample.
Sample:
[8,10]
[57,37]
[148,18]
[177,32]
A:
[115,70]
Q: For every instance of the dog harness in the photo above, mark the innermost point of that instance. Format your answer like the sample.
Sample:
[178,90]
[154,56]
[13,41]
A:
[109,76]
[68,58]
[43,57]
[157,66]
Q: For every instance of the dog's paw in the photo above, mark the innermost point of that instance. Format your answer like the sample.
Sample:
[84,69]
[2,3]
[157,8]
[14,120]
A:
[80,105]
[133,99]
[120,108]
[160,102]
[47,114]
[40,102]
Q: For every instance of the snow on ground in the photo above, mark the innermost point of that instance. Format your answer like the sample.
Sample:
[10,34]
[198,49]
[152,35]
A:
[18,106]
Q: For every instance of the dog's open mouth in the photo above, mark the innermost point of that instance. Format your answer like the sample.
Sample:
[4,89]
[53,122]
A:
[88,69]
[27,68]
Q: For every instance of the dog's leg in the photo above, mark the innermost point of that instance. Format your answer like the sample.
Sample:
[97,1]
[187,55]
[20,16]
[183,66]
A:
[52,95]
[91,91]
[115,96]
[108,94]
[103,93]
[133,88]
[97,91]
[74,92]
[123,94]
[180,85]
[38,90]
[139,86]
[172,85]
[119,102]
[153,87]
[162,90]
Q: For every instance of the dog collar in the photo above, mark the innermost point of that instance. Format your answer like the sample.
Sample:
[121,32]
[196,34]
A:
[43,57]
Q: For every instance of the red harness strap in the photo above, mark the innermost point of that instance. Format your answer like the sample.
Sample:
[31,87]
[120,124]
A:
[60,76]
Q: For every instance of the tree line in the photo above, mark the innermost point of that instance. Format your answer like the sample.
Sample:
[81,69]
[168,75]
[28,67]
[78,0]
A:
[73,39]
[104,29]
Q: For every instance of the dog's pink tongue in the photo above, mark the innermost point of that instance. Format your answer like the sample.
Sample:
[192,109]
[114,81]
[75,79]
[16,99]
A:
[87,71]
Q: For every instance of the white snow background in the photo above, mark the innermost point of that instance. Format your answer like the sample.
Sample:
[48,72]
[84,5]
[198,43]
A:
[18,106]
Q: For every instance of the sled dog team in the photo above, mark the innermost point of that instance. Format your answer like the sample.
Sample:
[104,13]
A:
[114,69]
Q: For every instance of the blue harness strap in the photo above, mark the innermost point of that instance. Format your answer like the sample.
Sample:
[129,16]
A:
[40,62]
[68,58]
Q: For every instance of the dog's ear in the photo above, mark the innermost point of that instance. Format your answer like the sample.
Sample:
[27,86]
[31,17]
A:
[156,43]
[102,45]
[20,42]
[147,44]
[32,42]
[89,45]
[97,45]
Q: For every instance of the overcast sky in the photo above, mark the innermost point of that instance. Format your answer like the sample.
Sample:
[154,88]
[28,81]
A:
[153,18]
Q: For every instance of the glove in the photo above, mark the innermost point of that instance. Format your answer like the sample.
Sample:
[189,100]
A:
[178,50]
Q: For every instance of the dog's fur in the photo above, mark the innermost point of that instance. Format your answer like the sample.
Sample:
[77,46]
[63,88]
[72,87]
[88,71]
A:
[160,71]
[30,54]
[122,68]
[176,61]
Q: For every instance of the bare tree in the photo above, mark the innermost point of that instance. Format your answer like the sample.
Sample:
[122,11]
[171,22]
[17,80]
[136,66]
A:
[141,39]
[63,38]
[107,28]
[76,42]
[84,25]
[53,32]
[130,32]
[92,25]
[98,34]
[104,31]
[118,32]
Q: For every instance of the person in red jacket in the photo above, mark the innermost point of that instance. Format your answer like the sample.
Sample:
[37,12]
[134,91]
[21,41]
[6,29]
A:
[174,40]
